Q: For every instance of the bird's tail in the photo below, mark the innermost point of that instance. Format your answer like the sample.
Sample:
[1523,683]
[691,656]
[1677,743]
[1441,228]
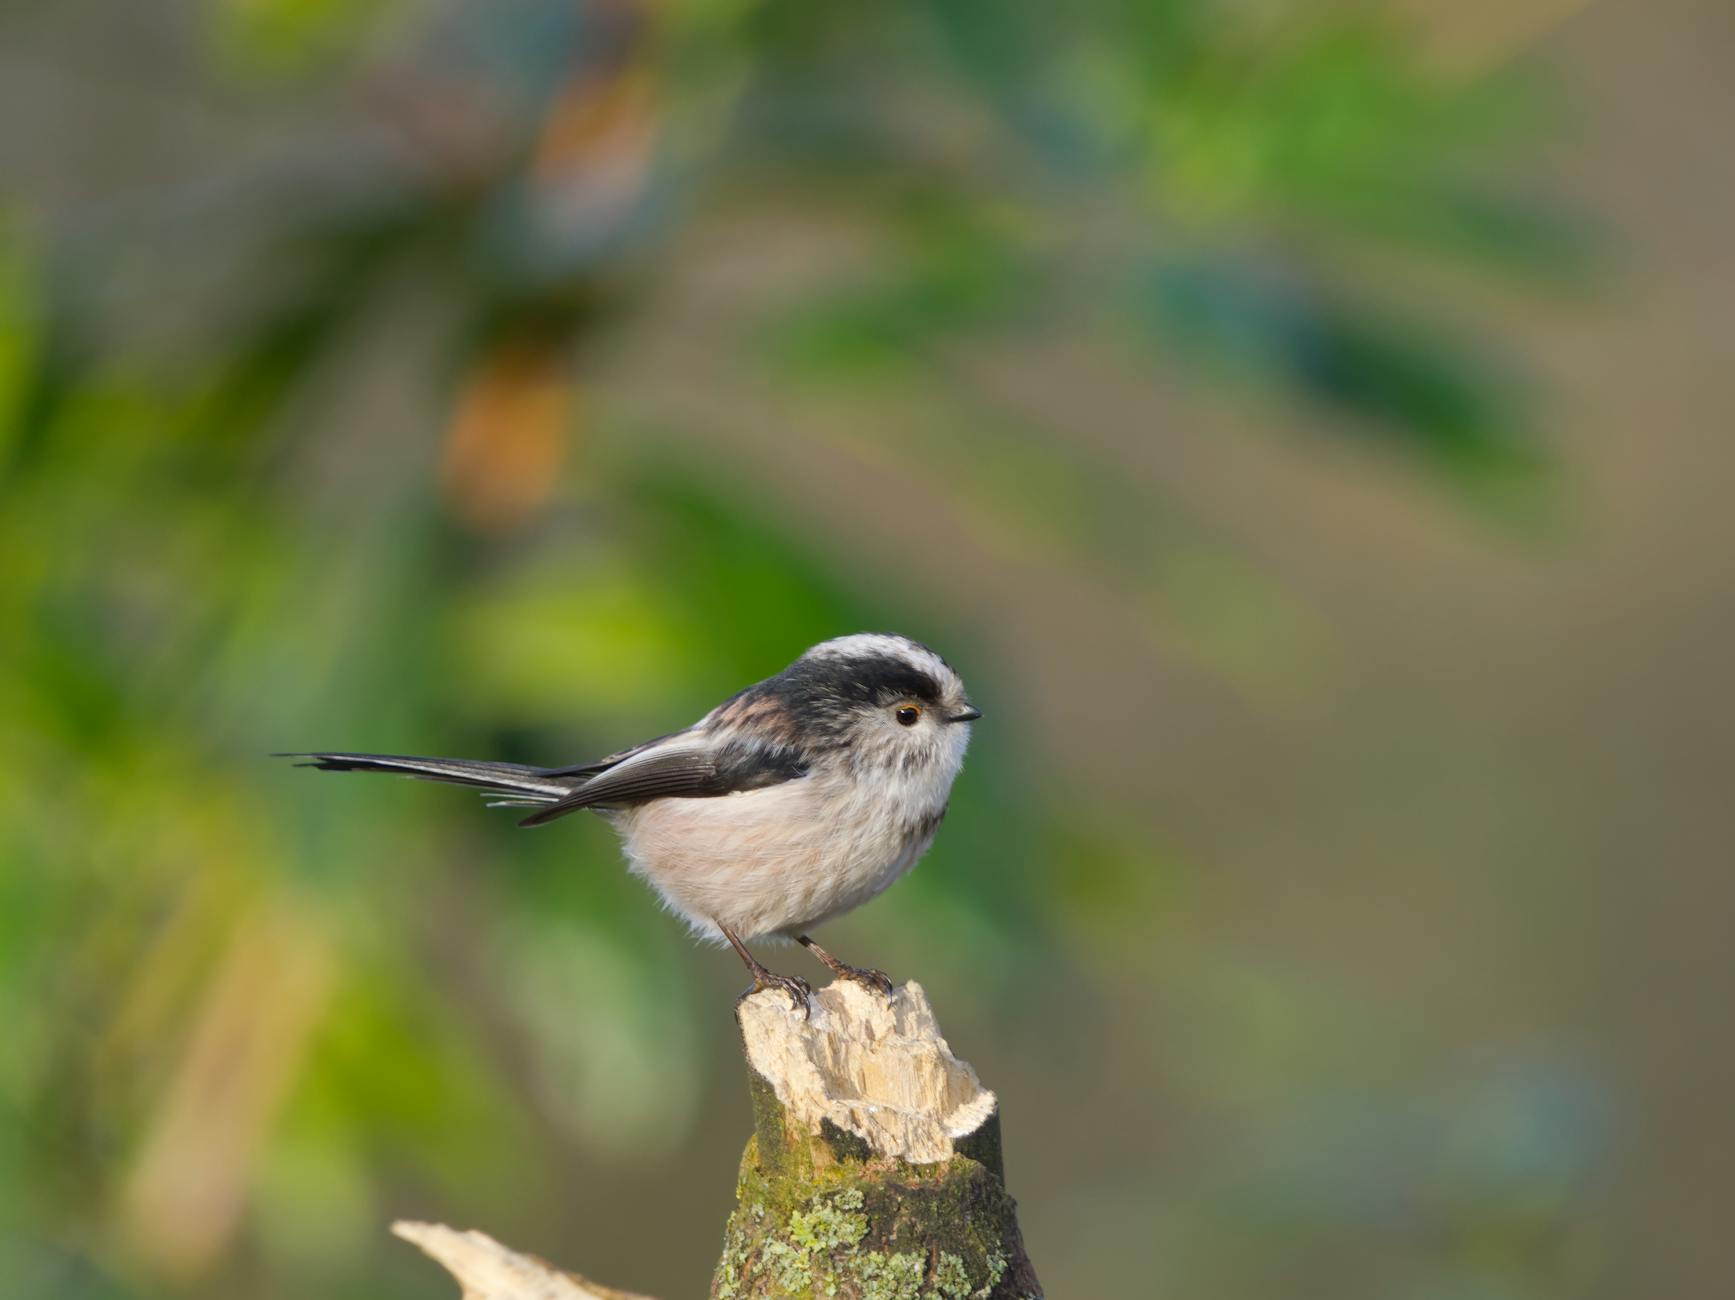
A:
[518,785]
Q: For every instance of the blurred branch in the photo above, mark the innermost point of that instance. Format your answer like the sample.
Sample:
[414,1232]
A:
[187,1192]
[486,1270]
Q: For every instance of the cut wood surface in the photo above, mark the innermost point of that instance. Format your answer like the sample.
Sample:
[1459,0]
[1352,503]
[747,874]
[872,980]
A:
[874,1171]
[875,1067]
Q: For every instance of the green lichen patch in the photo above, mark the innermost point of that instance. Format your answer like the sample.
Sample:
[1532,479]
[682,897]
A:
[891,1277]
[830,1223]
[874,1230]
[951,1278]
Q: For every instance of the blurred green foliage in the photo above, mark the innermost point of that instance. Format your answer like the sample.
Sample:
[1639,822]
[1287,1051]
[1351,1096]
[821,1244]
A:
[250,1013]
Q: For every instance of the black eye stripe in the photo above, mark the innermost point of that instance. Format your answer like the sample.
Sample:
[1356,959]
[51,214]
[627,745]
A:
[867,680]
[823,693]
[887,679]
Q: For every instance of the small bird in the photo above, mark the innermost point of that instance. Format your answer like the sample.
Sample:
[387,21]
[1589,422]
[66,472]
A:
[793,801]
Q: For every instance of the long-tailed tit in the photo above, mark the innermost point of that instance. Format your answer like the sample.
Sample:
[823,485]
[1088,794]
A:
[790,803]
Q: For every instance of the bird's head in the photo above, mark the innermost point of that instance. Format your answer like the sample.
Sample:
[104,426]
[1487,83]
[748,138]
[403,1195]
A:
[886,700]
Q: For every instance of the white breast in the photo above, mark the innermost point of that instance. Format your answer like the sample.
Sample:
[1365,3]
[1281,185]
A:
[779,860]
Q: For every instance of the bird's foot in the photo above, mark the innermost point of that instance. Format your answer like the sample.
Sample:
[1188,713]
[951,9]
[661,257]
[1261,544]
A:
[874,979]
[799,990]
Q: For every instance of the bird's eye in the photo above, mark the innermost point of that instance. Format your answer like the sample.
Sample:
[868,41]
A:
[908,715]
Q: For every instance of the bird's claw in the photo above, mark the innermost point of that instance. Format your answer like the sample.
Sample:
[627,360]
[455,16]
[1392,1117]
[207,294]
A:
[874,979]
[799,990]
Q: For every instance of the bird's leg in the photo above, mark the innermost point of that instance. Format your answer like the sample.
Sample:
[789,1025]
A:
[876,979]
[799,990]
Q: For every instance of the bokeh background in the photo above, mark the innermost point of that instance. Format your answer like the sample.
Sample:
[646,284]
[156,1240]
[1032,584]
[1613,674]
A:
[1306,425]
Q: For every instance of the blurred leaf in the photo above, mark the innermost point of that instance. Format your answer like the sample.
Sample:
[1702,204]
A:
[1445,396]
[19,340]
[284,39]
[614,1048]
[950,268]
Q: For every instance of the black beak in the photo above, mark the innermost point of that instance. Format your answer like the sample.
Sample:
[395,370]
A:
[970,714]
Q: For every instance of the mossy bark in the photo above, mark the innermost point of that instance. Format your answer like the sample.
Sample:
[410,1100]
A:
[822,1215]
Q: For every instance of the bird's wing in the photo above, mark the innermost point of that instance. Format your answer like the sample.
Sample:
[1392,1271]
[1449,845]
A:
[618,757]
[682,766]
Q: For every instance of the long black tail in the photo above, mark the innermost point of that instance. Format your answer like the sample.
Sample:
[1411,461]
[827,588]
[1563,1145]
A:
[519,786]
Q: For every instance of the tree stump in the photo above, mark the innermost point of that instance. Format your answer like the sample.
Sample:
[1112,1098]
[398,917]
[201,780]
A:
[874,1171]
